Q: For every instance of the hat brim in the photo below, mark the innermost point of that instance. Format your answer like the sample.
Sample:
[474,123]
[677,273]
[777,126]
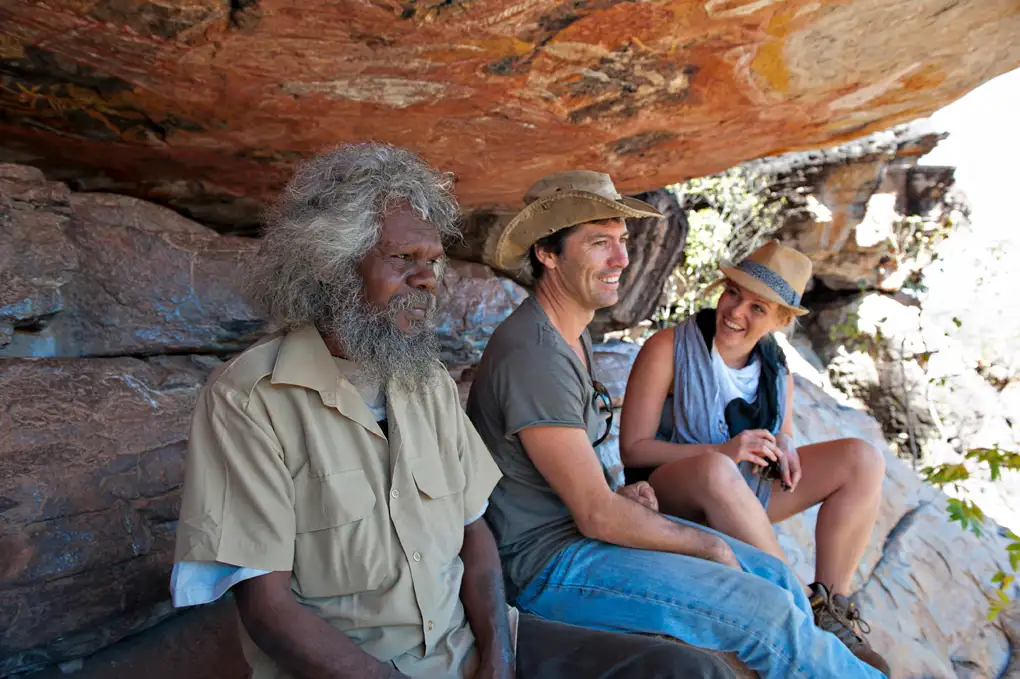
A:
[507,248]
[745,280]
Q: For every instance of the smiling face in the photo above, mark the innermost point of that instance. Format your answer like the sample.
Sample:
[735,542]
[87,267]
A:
[402,271]
[742,318]
[593,257]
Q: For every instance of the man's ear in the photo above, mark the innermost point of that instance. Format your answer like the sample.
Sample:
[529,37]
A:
[546,256]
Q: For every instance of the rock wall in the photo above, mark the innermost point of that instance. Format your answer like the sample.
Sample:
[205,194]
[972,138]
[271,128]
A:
[107,275]
[858,210]
[931,394]
[91,465]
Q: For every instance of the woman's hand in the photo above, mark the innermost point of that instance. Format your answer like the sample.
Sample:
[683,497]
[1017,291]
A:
[757,446]
[790,469]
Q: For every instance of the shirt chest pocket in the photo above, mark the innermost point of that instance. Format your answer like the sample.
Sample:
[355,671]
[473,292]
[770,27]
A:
[441,494]
[341,546]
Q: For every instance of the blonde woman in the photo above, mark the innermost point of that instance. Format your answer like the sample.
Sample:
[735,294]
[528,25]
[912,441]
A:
[708,422]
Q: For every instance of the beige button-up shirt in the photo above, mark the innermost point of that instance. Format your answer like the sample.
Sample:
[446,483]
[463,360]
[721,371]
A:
[287,470]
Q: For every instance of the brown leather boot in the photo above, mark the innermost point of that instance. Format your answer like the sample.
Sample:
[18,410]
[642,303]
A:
[836,614]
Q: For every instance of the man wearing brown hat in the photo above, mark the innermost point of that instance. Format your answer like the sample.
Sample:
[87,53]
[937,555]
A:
[573,549]
[333,481]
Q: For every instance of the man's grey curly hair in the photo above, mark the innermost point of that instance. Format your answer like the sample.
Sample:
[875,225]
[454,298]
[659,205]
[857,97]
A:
[329,217]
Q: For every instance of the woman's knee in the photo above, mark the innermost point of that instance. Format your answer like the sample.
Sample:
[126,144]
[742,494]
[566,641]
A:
[868,462]
[718,474]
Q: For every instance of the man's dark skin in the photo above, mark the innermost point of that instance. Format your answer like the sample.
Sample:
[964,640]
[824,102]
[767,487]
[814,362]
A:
[300,642]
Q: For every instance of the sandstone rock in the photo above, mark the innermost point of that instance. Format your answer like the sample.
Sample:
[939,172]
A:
[473,300]
[923,582]
[613,362]
[463,375]
[201,103]
[36,256]
[105,275]
[924,387]
[201,643]
[846,208]
[91,462]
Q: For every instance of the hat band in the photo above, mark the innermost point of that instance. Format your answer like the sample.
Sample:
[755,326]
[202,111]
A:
[773,280]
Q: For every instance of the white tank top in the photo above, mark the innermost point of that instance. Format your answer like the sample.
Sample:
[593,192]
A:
[733,382]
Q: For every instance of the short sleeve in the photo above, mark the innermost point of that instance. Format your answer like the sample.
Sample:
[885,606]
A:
[480,469]
[536,389]
[237,506]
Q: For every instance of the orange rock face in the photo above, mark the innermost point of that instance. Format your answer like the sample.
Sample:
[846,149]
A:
[207,104]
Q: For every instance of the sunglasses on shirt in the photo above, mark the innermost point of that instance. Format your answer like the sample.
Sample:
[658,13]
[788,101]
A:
[607,403]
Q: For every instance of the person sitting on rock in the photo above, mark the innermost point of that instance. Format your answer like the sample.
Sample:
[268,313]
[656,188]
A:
[333,480]
[573,550]
[708,422]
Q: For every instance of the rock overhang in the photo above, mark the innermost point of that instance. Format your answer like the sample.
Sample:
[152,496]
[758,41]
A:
[207,105]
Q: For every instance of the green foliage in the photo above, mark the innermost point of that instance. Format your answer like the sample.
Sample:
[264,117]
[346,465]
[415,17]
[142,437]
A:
[729,214]
[967,514]
[996,459]
[944,474]
[970,517]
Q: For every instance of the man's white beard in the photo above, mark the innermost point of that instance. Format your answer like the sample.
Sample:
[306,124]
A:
[371,339]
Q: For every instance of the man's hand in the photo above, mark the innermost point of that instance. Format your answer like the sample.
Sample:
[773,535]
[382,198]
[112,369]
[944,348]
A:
[790,468]
[642,493]
[723,554]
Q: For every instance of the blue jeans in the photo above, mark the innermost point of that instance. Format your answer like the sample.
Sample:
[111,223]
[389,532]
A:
[761,614]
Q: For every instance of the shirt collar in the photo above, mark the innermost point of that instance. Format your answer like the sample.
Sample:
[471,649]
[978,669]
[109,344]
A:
[305,361]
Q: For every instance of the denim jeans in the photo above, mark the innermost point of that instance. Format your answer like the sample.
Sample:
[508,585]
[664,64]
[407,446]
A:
[761,614]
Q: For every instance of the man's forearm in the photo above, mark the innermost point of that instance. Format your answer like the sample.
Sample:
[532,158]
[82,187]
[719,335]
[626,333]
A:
[621,521]
[481,592]
[301,643]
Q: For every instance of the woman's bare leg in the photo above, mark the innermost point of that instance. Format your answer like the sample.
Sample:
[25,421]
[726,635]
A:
[846,477]
[709,487]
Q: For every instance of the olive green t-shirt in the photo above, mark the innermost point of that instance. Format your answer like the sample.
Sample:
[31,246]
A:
[530,377]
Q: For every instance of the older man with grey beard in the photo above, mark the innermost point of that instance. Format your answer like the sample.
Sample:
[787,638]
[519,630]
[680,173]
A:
[333,481]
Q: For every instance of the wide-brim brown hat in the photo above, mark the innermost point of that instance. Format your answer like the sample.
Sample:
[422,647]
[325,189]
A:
[557,202]
[776,272]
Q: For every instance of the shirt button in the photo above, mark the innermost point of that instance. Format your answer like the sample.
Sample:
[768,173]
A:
[430,625]
[722,427]
[395,493]
[416,556]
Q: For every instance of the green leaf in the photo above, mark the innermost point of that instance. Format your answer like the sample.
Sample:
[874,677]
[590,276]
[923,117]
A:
[967,514]
[1003,580]
[943,474]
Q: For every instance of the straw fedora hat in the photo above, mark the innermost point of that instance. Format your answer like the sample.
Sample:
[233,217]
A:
[553,203]
[776,272]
